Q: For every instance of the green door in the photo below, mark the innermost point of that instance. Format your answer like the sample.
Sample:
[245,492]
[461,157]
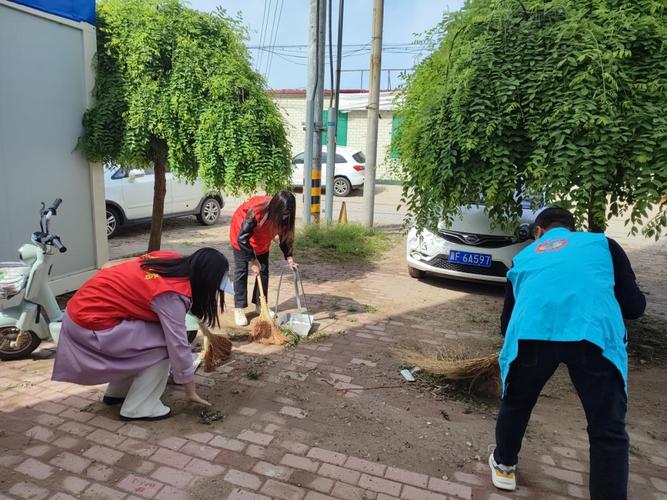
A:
[341,133]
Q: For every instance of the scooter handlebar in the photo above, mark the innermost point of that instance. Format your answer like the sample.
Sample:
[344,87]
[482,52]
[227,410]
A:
[59,245]
[54,206]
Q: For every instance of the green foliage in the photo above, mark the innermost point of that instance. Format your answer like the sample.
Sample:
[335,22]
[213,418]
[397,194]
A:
[340,243]
[169,77]
[559,98]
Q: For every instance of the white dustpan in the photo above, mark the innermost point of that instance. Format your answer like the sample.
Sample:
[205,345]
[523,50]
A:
[300,322]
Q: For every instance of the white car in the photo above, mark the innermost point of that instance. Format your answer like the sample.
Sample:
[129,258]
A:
[469,249]
[349,170]
[129,198]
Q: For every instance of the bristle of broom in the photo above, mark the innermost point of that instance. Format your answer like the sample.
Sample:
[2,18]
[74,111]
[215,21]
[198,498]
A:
[217,349]
[266,332]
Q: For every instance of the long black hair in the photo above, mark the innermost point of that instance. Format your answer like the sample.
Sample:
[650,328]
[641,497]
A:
[205,269]
[281,214]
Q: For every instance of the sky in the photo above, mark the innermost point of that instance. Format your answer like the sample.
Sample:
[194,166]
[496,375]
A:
[285,23]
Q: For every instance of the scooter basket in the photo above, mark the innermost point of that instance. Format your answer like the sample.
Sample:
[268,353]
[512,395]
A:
[13,278]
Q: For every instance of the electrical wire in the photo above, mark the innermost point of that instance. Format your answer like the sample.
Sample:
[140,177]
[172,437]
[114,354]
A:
[331,67]
[275,36]
[260,47]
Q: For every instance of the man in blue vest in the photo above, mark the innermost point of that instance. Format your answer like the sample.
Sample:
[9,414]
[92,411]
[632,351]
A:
[566,297]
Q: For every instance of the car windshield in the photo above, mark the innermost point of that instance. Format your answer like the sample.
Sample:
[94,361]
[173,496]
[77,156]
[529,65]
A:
[359,156]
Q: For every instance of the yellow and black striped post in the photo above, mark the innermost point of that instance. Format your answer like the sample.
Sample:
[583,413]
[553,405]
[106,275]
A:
[315,192]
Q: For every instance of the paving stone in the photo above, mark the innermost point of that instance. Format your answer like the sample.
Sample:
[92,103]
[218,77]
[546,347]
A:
[406,476]
[35,469]
[106,438]
[203,468]
[348,492]
[292,411]
[577,491]
[62,496]
[38,451]
[239,494]
[171,493]
[247,412]
[100,492]
[99,472]
[379,485]
[200,437]
[103,454]
[299,462]
[144,487]
[69,442]
[256,437]
[314,495]
[270,470]
[200,451]
[134,431]
[294,447]
[70,462]
[276,489]
[235,460]
[29,491]
[243,479]
[311,481]
[174,477]
[76,428]
[106,423]
[74,484]
[173,443]
[49,420]
[40,433]
[137,447]
[170,457]
[450,488]
[255,451]
[339,473]
[362,465]
[464,477]
[228,444]
[564,475]
[565,452]
[327,456]
[412,493]
[659,484]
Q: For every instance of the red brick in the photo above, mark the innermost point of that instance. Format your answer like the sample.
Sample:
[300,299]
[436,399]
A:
[365,466]
[178,478]
[226,443]
[203,468]
[347,492]
[35,469]
[412,493]
[239,494]
[340,474]
[103,454]
[327,456]
[173,443]
[243,479]
[139,448]
[200,451]
[141,486]
[283,491]
[169,457]
[277,471]
[40,433]
[380,485]
[70,462]
[408,477]
[299,462]
[28,491]
[457,490]
[256,437]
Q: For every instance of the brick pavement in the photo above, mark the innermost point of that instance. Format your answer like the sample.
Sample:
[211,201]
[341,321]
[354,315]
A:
[290,434]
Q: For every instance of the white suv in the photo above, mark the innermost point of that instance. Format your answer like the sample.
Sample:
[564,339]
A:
[349,170]
[129,198]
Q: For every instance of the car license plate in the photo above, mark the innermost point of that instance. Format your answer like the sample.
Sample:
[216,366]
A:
[469,258]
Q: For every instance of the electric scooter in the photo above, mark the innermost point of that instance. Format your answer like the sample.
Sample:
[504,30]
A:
[29,312]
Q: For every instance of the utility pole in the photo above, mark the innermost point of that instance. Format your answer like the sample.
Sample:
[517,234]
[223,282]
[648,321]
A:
[316,189]
[332,125]
[373,113]
[311,84]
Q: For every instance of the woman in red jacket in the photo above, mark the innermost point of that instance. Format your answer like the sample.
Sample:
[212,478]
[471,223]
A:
[255,225]
[126,327]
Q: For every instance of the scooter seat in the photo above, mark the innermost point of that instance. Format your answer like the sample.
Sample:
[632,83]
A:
[13,278]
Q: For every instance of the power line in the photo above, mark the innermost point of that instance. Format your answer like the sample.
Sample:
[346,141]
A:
[275,36]
[261,39]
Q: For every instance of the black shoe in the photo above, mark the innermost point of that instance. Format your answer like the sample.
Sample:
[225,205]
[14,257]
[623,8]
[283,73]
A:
[146,419]
[112,401]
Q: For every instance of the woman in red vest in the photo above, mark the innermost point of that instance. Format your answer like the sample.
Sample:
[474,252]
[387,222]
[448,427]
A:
[255,224]
[126,327]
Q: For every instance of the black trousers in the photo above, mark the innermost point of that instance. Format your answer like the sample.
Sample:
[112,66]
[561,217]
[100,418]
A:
[600,388]
[240,277]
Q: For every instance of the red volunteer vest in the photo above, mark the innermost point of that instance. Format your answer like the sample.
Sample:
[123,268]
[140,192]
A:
[263,235]
[123,292]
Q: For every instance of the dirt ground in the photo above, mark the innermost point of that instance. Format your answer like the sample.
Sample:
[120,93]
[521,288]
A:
[340,395]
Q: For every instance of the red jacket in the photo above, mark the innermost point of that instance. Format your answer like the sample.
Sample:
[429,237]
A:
[123,292]
[262,234]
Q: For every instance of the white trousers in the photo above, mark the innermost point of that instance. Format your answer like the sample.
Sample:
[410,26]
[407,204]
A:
[142,392]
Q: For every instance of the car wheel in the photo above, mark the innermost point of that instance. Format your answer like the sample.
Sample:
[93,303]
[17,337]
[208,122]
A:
[15,344]
[416,273]
[209,213]
[113,221]
[342,187]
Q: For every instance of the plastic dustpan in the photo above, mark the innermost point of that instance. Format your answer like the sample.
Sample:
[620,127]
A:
[299,322]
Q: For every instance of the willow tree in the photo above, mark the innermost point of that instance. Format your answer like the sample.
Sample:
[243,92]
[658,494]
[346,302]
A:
[174,87]
[564,99]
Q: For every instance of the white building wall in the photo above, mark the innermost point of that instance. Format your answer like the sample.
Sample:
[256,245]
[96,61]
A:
[293,107]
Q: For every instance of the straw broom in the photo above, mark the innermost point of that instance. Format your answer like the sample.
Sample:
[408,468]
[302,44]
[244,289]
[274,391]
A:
[455,365]
[217,348]
[264,329]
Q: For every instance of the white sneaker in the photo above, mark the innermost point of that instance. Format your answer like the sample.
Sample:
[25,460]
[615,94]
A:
[502,476]
[240,317]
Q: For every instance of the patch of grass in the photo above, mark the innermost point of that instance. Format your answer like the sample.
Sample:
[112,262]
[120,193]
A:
[254,370]
[317,336]
[341,243]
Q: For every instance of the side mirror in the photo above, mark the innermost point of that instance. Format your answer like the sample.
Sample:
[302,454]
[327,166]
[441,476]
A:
[134,174]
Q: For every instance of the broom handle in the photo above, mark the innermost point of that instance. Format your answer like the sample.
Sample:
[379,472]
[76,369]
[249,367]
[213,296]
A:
[262,296]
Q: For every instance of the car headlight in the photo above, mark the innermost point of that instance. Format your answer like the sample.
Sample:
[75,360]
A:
[424,242]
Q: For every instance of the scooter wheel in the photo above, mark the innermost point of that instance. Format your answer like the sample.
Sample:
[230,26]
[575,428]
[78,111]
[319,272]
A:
[17,345]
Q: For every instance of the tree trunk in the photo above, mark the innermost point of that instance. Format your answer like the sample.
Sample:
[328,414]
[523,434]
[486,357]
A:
[159,154]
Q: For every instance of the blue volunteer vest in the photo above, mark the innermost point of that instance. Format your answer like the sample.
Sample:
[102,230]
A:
[564,291]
